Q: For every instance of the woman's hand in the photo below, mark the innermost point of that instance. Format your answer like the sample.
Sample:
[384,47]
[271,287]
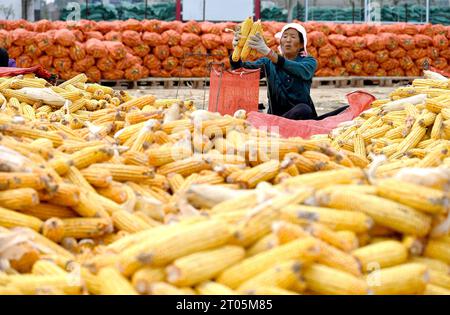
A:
[257,43]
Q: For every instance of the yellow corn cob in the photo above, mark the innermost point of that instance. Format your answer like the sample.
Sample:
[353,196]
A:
[408,278]
[167,154]
[32,284]
[245,30]
[282,275]
[202,266]
[305,250]
[86,227]
[425,199]
[333,218]
[24,131]
[431,289]
[384,212]
[9,218]
[163,288]
[381,255]
[98,177]
[18,199]
[265,243]
[413,138]
[157,252]
[432,264]
[256,28]
[413,244]
[438,249]
[435,157]
[325,280]
[113,283]
[129,222]
[46,211]
[123,173]
[184,167]
[213,288]
[144,277]
[323,179]
[138,102]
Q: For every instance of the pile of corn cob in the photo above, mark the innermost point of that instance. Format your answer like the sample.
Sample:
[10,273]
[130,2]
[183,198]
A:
[103,193]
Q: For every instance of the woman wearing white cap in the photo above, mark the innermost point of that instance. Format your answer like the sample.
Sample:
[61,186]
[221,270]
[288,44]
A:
[289,74]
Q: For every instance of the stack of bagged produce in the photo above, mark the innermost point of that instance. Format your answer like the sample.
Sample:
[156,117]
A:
[138,49]
[104,193]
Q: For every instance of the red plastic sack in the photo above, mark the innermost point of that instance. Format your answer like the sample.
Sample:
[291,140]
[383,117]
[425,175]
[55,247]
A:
[37,70]
[444,73]
[234,90]
[359,101]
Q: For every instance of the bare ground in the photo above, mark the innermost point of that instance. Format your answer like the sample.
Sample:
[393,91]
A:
[325,98]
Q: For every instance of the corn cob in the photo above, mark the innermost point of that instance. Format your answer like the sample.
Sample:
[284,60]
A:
[86,227]
[144,277]
[265,243]
[112,282]
[129,222]
[244,31]
[255,29]
[213,288]
[438,249]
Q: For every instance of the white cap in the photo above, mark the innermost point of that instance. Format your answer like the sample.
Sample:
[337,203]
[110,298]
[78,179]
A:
[297,27]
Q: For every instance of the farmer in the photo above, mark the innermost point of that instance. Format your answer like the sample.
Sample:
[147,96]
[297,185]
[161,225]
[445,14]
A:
[289,74]
[4,59]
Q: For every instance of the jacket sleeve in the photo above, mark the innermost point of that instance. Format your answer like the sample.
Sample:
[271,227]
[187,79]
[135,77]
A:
[258,64]
[304,68]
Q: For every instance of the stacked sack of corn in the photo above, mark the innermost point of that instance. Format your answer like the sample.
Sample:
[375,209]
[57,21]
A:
[103,193]
[137,49]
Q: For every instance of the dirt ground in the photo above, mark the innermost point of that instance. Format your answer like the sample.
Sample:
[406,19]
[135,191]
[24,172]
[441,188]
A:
[325,98]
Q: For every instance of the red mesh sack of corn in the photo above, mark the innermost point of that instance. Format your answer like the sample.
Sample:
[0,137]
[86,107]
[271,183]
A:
[62,64]
[171,38]
[406,62]
[84,64]
[322,62]
[396,72]
[422,41]
[354,67]
[210,28]
[318,39]
[433,52]
[440,63]
[131,25]
[45,40]
[79,36]
[211,41]
[86,25]
[337,29]
[219,53]
[177,26]
[227,40]
[135,72]
[340,72]
[127,62]
[96,48]
[113,36]
[409,29]
[381,72]
[94,34]
[338,41]
[445,53]
[42,26]
[113,74]
[152,39]
[77,51]
[370,67]
[5,39]
[131,38]
[357,43]
[199,50]
[190,40]
[346,54]
[351,30]
[439,29]
[116,49]
[21,37]
[422,62]
[382,56]
[45,61]
[398,53]
[33,50]
[440,42]
[413,72]
[390,64]
[15,51]
[375,42]
[107,26]
[327,50]
[24,61]
[418,53]
[65,37]
[325,72]
[162,52]
[57,51]
[94,74]
[191,61]
[152,62]
[390,39]
[153,26]
[177,51]
[335,61]
[192,27]
[358,101]
[141,50]
[180,72]
[106,64]
[170,63]
[365,55]
[406,41]
[199,72]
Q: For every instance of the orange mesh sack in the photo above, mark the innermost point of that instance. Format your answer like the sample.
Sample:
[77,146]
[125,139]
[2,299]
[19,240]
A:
[233,90]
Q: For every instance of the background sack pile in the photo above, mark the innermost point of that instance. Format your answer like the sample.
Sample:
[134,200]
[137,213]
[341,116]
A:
[138,49]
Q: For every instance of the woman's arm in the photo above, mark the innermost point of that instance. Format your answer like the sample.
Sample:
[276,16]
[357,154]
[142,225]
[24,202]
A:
[303,69]
[258,64]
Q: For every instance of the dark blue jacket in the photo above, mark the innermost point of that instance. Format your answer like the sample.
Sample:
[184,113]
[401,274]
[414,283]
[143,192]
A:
[289,81]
